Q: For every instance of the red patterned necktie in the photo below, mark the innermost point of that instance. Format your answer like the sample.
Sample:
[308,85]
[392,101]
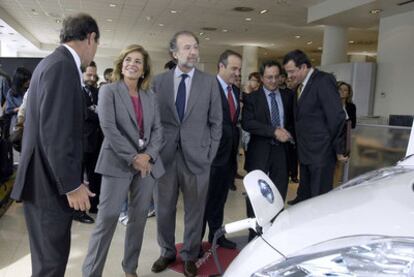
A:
[232,106]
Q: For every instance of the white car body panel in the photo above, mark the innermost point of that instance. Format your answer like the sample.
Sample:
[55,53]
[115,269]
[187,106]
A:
[382,207]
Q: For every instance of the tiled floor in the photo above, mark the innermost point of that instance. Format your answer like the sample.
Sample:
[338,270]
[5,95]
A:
[14,245]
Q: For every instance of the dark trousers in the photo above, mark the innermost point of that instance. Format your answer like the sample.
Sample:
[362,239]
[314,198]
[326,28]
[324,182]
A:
[89,164]
[277,170]
[293,161]
[315,179]
[220,179]
[49,236]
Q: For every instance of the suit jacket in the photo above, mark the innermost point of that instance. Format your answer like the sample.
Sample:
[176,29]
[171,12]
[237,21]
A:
[256,120]
[119,125]
[351,111]
[319,120]
[229,142]
[92,134]
[51,158]
[198,135]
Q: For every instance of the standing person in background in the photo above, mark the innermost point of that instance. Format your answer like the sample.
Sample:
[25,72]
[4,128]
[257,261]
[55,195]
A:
[190,107]
[253,84]
[129,159]
[345,93]
[293,151]
[48,178]
[93,136]
[5,83]
[224,167]
[282,80]
[107,77]
[14,98]
[319,121]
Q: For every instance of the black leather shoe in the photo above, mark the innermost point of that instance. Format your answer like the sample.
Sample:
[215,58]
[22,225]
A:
[161,264]
[225,243]
[190,269]
[294,201]
[83,217]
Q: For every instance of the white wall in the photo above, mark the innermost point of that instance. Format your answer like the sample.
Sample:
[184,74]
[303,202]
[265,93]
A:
[395,74]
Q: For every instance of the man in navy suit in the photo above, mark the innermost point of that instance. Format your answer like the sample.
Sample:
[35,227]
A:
[224,166]
[48,179]
[319,121]
[268,117]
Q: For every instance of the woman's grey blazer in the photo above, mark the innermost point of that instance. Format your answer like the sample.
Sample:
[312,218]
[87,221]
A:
[119,125]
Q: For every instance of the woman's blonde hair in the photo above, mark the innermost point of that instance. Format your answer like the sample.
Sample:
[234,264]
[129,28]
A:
[350,91]
[145,79]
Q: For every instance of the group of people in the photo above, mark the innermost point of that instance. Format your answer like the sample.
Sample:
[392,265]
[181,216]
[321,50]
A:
[175,132]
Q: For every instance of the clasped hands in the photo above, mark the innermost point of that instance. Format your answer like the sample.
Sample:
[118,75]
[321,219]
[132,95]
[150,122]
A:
[142,164]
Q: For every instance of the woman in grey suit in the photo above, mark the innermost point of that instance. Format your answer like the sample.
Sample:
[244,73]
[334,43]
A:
[128,161]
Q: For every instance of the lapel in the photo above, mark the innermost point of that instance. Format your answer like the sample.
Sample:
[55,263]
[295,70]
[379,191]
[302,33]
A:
[284,93]
[263,103]
[236,92]
[146,112]
[68,55]
[307,88]
[123,93]
[170,93]
[195,89]
[224,101]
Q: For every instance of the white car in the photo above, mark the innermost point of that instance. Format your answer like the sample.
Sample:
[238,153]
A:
[363,228]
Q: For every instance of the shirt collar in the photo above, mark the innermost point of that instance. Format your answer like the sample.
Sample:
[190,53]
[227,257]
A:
[178,72]
[268,92]
[307,77]
[223,84]
[77,61]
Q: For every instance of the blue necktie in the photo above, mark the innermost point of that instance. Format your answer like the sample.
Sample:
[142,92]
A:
[274,110]
[181,95]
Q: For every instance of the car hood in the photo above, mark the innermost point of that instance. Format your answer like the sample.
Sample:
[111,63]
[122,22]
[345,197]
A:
[379,207]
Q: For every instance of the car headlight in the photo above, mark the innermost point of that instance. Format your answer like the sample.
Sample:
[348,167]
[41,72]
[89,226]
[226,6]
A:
[360,256]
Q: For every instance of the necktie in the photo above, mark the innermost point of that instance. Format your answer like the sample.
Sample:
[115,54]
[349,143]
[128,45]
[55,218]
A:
[88,92]
[181,95]
[274,110]
[299,90]
[232,106]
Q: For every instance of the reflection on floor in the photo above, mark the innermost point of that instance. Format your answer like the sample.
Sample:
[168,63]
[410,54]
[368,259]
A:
[14,244]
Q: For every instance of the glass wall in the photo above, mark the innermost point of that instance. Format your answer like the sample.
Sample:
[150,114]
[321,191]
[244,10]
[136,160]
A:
[376,146]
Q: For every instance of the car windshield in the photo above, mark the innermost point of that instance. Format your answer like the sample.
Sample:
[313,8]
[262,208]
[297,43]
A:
[375,175]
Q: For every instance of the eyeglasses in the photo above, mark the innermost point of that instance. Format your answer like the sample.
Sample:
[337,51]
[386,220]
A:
[271,78]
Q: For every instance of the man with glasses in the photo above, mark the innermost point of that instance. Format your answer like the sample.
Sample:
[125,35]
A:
[268,116]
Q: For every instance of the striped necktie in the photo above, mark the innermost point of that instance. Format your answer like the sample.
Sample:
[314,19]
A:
[275,117]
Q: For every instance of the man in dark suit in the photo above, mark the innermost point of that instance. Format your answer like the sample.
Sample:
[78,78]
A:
[191,117]
[92,140]
[268,117]
[319,120]
[48,177]
[224,167]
